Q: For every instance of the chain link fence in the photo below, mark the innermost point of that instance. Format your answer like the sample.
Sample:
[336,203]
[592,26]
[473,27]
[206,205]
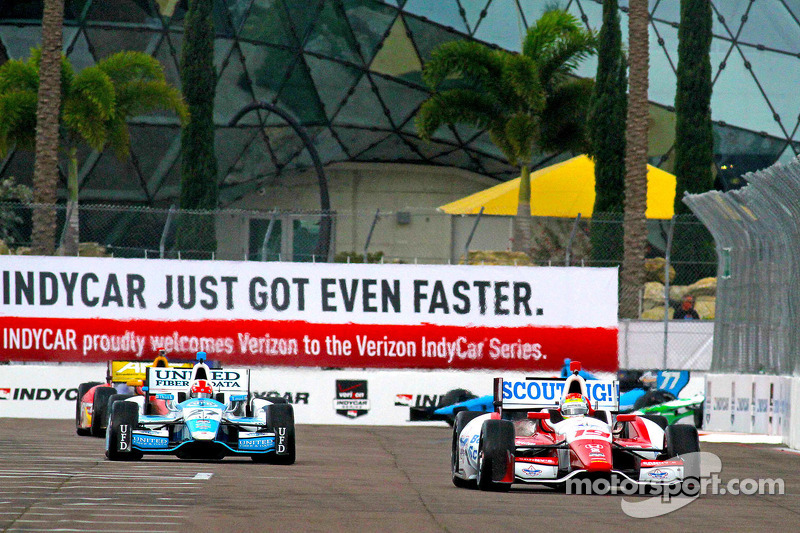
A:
[757,238]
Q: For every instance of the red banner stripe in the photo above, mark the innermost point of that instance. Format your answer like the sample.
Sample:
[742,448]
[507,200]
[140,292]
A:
[304,344]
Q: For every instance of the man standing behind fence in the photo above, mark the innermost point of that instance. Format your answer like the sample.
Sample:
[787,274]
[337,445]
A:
[686,311]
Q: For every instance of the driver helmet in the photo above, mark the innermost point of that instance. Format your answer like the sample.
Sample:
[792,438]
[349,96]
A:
[201,389]
[574,405]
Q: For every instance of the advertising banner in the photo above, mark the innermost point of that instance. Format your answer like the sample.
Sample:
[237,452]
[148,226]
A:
[300,314]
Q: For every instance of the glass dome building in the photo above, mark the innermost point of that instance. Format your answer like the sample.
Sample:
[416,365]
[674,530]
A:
[350,72]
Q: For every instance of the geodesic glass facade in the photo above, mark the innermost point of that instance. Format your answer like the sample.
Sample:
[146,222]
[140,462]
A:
[350,71]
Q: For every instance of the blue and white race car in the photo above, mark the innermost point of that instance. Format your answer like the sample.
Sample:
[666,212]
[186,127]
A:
[209,414]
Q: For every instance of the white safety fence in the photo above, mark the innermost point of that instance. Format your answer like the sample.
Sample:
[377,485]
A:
[754,403]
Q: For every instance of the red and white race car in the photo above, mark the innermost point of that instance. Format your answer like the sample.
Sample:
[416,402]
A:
[124,379]
[551,431]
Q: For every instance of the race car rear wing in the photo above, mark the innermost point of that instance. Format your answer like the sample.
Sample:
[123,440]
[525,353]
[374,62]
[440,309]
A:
[126,371]
[174,380]
[546,393]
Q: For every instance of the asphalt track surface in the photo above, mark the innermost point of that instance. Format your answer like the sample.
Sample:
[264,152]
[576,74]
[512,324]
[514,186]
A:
[356,478]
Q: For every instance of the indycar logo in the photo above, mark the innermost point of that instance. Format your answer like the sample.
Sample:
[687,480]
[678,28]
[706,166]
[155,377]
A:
[69,395]
[351,398]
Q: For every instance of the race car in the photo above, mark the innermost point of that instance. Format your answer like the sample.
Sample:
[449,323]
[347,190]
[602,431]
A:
[123,380]
[657,392]
[677,409]
[549,431]
[210,414]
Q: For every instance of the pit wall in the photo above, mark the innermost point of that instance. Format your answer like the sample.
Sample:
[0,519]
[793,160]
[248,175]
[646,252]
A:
[747,403]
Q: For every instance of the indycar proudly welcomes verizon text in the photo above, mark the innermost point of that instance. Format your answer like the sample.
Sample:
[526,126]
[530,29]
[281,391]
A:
[210,413]
[552,430]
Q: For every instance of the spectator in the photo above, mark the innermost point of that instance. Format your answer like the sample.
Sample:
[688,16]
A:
[686,311]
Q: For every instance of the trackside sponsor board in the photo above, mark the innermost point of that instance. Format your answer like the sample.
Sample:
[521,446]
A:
[316,395]
[297,314]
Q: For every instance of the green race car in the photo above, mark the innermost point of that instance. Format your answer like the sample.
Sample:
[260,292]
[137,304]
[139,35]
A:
[677,409]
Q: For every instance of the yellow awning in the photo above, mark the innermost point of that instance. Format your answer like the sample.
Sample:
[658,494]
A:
[563,190]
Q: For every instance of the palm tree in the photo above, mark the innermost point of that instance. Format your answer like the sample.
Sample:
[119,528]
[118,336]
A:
[529,101]
[632,275]
[45,173]
[97,102]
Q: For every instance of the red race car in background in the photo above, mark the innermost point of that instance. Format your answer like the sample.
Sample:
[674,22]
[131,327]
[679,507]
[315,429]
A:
[124,379]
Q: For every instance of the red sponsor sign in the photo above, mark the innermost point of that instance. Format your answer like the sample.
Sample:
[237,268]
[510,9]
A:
[301,343]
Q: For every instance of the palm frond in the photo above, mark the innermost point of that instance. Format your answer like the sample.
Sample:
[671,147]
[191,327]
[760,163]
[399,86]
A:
[16,75]
[129,67]
[521,73]
[139,97]
[455,106]
[472,62]
[565,116]
[558,43]
[18,126]
[522,132]
[90,103]
[119,137]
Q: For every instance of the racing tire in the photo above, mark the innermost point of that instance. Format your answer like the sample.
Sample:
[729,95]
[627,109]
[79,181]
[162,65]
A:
[653,397]
[280,417]
[100,410]
[461,420]
[124,415]
[114,398]
[699,414]
[658,419]
[276,399]
[495,455]
[682,441]
[83,388]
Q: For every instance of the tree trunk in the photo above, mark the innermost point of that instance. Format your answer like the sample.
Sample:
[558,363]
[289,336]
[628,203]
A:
[521,225]
[45,176]
[632,275]
[69,244]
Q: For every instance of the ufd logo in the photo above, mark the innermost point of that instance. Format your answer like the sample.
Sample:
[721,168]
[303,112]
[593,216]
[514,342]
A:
[281,446]
[123,437]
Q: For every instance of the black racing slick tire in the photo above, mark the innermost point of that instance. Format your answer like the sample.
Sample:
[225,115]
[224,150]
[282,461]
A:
[462,419]
[114,398]
[653,397]
[699,414]
[658,419]
[83,388]
[495,455]
[100,410]
[124,419]
[280,419]
[682,441]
